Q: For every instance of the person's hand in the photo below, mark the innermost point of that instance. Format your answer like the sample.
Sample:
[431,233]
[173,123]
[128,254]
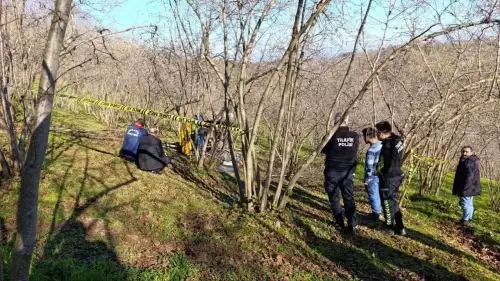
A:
[367,181]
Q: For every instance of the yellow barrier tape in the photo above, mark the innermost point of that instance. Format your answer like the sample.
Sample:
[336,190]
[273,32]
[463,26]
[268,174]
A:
[150,113]
[429,159]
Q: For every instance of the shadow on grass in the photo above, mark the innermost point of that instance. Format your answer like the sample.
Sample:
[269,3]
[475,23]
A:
[311,200]
[433,243]
[80,143]
[182,167]
[361,265]
[4,232]
[213,246]
[442,213]
[367,257]
[67,249]
[303,198]
[4,246]
[53,154]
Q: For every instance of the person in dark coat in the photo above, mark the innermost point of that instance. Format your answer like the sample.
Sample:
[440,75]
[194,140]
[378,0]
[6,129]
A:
[131,140]
[391,176]
[467,183]
[340,164]
[150,154]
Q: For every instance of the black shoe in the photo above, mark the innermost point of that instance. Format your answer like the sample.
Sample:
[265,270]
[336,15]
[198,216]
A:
[385,229]
[400,232]
[339,228]
[375,217]
[352,230]
[464,222]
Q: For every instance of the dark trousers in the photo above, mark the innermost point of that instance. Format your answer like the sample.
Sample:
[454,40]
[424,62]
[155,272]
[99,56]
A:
[336,183]
[127,155]
[165,160]
[389,190]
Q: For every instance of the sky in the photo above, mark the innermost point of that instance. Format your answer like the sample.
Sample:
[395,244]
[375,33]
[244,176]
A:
[133,13]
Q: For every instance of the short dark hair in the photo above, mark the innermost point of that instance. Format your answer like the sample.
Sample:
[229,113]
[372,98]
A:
[141,122]
[384,127]
[467,146]
[369,132]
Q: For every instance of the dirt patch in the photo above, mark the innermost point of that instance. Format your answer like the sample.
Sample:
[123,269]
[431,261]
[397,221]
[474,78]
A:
[490,254]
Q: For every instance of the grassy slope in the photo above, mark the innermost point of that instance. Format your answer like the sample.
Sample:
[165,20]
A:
[102,219]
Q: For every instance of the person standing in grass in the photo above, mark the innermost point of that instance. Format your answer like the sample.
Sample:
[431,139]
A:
[467,183]
[391,177]
[340,162]
[371,179]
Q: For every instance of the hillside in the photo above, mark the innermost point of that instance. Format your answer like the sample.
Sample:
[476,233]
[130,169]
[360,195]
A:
[102,219]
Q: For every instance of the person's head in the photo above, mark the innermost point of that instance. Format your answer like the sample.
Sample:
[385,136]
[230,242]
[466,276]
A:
[384,130]
[338,117]
[370,135]
[467,151]
[140,123]
[153,131]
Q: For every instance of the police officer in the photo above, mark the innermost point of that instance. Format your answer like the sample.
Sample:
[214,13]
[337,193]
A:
[131,140]
[391,176]
[340,162]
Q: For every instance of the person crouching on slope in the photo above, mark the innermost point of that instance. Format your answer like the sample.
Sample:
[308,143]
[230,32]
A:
[150,154]
[391,177]
[340,163]
[131,140]
[467,183]
[371,179]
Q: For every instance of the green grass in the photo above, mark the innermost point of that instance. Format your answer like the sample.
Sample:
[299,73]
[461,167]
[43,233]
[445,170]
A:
[102,219]
[70,270]
[75,120]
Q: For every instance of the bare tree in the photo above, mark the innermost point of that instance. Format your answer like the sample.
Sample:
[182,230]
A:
[30,175]
[353,103]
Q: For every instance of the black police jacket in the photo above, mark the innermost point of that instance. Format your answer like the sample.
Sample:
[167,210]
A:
[392,155]
[341,150]
[150,154]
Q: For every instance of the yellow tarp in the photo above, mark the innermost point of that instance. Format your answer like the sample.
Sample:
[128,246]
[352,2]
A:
[185,138]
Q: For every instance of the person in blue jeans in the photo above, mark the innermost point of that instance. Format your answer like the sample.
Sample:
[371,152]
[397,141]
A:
[371,179]
[467,183]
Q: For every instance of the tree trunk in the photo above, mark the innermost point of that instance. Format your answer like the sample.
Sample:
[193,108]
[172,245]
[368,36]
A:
[276,134]
[398,51]
[319,8]
[289,86]
[209,134]
[30,174]
[6,107]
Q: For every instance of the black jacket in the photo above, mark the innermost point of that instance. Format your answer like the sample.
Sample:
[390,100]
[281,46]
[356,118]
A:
[467,177]
[392,155]
[150,154]
[341,150]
